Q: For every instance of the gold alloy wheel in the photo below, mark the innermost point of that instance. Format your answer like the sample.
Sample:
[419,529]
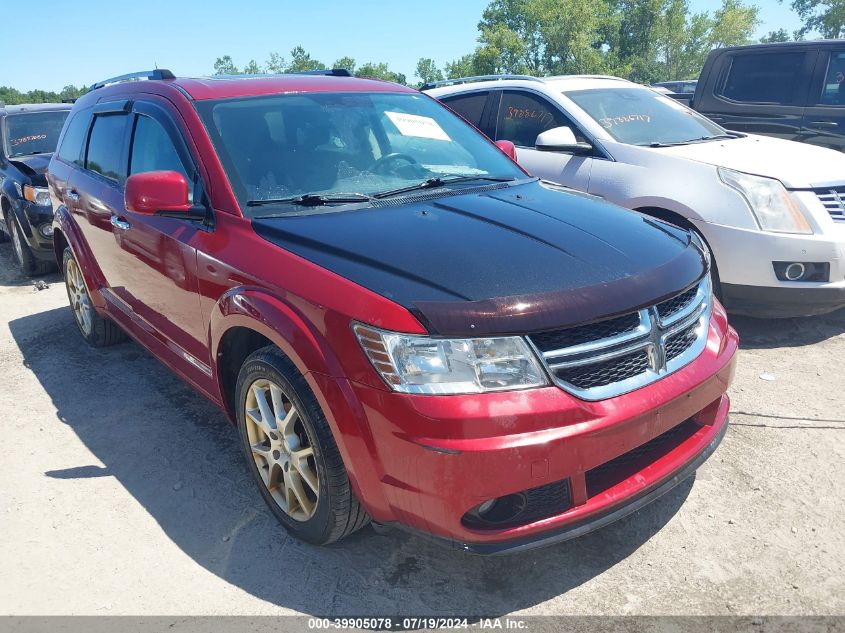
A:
[80,302]
[282,450]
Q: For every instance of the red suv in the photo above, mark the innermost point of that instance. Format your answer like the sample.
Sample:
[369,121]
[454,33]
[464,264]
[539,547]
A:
[403,325]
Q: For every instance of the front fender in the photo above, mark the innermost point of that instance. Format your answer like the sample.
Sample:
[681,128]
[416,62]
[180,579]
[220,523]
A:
[313,356]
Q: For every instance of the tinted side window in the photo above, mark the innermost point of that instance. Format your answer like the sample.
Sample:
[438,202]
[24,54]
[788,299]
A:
[764,78]
[73,141]
[469,106]
[522,116]
[833,90]
[152,149]
[106,144]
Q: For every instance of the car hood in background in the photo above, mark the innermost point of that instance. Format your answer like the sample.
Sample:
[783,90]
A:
[796,165]
[512,260]
[34,166]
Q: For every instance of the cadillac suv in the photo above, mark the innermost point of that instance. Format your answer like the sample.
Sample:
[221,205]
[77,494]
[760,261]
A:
[403,325]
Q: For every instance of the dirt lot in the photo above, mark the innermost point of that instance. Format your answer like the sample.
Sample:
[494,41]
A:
[123,492]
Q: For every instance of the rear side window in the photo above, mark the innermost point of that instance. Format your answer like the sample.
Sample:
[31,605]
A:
[833,90]
[471,106]
[74,139]
[523,116]
[105,146]
[764,78]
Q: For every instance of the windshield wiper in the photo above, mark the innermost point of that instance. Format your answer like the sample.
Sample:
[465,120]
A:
[437,181]
[700,139]
[313,199]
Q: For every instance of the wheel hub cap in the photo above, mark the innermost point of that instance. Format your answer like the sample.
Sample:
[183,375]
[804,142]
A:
[77,293]
[282,450]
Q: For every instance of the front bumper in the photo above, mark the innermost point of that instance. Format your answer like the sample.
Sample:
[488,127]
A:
[437,457]
[790,300]
[34,216]
[749,285]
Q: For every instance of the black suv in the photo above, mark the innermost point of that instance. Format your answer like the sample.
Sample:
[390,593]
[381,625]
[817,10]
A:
[28,137]
[791,90]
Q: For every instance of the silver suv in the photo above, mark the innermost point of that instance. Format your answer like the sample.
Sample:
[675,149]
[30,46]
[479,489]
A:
[771,211]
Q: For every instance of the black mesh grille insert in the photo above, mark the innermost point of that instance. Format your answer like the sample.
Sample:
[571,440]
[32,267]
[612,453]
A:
[548,341]
[678,343]
[606,373]
[626,465]
[674,305]
[537,503]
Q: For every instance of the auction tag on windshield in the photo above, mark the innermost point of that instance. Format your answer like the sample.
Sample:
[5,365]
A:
[415,125]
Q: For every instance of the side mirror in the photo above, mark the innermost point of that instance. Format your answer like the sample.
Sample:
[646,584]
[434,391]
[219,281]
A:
[508,148]
[157,191]
[561,139]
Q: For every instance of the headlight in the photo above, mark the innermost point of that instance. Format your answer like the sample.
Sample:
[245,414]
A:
[769,201]
[426,365]
[38,195]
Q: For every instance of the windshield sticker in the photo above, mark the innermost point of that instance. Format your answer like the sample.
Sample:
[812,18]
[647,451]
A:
[27,139]
[609,122]
[419,126]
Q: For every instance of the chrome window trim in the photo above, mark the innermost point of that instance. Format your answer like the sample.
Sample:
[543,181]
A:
[651,336]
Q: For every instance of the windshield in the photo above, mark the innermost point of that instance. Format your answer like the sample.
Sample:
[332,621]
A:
[33,132]
[333,144]
[639,116]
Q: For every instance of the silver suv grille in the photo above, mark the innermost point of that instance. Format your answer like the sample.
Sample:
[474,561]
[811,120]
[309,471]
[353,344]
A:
[608,358]
[834,201]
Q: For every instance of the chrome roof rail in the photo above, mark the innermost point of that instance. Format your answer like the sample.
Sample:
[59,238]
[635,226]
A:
[466,80]
[158,73]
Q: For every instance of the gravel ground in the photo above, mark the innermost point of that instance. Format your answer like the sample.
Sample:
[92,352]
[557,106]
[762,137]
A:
[123,492]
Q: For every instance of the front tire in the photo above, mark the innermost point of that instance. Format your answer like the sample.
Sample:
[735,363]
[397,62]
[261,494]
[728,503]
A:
[715,280]
[28,263]
[98,331]
[291,452]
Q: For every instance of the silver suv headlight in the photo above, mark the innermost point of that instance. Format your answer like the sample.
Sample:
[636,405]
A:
[769,201]
[426,365]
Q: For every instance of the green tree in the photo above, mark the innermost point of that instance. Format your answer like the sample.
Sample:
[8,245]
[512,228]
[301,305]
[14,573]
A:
[380,71]
[781,35]
[733,23]
[427,71]
[12,96]
[225,66]
[252,68]
[826,17]
[345,62]
[302,61]
[461,67]
[276,64]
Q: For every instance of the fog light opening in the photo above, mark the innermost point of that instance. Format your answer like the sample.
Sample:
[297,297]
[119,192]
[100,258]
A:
[501,510]
[46,230]
[794,271]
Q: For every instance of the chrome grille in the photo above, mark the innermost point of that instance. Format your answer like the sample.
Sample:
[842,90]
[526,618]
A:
[833,200]
[615,356]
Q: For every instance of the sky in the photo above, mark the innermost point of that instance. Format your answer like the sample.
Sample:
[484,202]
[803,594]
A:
[96,39]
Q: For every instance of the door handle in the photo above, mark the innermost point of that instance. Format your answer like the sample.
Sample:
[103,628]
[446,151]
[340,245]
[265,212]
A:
[73,195]
[119,223]
[828,124]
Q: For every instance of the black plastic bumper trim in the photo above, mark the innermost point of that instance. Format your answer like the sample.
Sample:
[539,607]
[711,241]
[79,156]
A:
[781,302]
